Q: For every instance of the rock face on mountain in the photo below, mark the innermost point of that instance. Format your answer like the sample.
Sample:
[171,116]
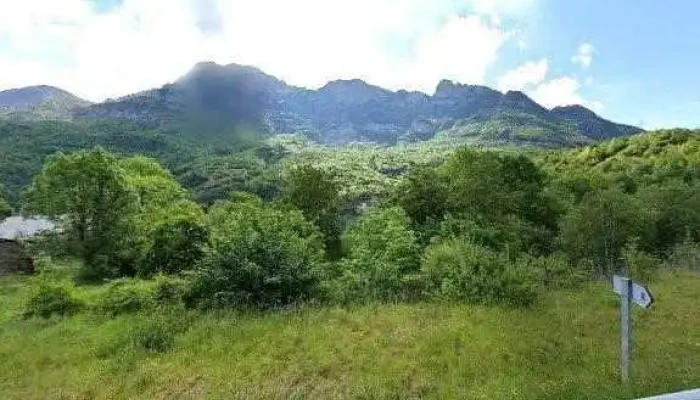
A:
[220,99]
[40,101]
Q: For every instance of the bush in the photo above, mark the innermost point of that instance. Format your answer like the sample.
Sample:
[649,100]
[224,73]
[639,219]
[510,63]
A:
[555,271]
[685,255]
[641,266]
[177,246]
[155,336]
[259,256]
[510,234]
[121,298]
[382,254]
[460,270]
[601,226]
[48,300]
[169,290]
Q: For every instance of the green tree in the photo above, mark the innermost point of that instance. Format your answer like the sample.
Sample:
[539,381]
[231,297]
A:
[422,194]
[165,230]
[676,207]
[502,200]
[317,194]
[88,193]
[177,246]
[601,227]
[259,256]
[494,185]
[382,255]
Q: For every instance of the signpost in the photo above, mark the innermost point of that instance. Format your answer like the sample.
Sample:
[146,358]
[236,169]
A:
[629,292]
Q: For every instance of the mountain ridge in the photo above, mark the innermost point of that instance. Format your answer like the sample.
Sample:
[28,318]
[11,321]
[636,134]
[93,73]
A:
[213,98]
[39,101]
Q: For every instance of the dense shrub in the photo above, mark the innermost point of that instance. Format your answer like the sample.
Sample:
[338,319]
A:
[422,194]
[510,234]
[459,270]
[316,193]
[382,254]
[259,256]
[555,271]
[122,297]
[176,247]
[641,266]
[169,290]
[601,227]
[685,255]
[48,300]
[493,185]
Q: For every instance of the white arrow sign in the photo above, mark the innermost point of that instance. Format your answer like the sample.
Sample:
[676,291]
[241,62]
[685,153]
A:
[640,294]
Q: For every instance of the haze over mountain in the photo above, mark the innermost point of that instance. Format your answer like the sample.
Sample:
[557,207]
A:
[220,99]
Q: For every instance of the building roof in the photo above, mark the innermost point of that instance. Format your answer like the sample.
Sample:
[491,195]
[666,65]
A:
[19,227]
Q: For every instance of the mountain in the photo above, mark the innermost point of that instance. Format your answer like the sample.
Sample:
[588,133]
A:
[210,98]
[39,101]
[214,100]
[594,126]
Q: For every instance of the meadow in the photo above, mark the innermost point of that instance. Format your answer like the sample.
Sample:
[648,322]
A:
[564,346]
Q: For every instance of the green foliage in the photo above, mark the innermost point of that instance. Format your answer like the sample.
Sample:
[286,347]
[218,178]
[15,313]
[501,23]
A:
[510,234]
[89,192]
[676,213]
[5,208]
[555,271]
[422,194]
[456,269]
[684,256]
[260,256]
[122,297]
[601,226]
[317,194]
[156,333]
[168,289]
[177,246]
[51,299]
[498,200]
[641,266]
[382,254]
[124,215]
[153,337]
[495,185]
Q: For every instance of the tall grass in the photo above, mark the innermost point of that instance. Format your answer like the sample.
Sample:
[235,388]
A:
[566,347]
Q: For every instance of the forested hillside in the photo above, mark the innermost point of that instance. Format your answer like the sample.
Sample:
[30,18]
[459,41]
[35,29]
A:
[202,163]
[292,225]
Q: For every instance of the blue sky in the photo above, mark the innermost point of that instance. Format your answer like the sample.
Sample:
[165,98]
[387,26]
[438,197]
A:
[633,61]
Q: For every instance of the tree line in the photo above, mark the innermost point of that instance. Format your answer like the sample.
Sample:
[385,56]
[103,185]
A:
[481,227]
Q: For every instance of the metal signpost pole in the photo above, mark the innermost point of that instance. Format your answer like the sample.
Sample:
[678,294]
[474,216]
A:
[625,327]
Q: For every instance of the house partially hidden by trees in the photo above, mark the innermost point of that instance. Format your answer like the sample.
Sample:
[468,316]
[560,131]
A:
[13,258]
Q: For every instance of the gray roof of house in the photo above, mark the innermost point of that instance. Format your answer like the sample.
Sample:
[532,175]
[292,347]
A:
[20,227]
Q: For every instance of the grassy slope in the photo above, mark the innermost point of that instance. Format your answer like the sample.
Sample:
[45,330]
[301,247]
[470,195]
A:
[567,347]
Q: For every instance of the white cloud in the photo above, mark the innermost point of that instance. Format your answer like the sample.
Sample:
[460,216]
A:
[460,50]
[524,76]
[584,55]
[562,91]
[501,7]
[146,43]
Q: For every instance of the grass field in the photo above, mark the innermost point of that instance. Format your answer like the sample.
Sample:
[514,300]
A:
[564,348]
